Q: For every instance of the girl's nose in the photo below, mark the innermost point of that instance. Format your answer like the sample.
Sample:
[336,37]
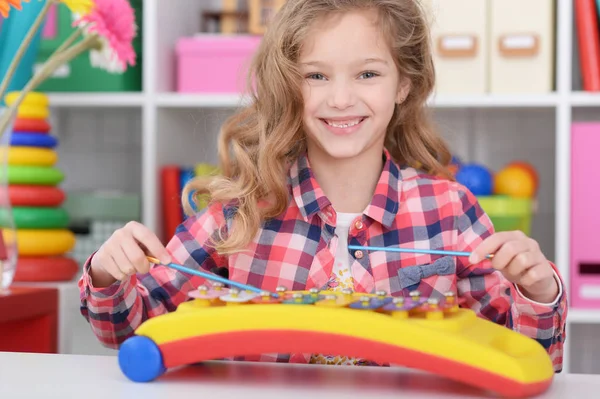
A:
[341,96]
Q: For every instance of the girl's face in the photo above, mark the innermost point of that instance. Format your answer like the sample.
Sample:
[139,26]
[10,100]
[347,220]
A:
[351,86]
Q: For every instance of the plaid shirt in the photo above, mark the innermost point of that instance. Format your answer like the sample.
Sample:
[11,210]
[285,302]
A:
[297,249]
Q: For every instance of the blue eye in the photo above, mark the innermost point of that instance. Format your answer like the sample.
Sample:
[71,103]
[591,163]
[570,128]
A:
[316,76]
[369,74]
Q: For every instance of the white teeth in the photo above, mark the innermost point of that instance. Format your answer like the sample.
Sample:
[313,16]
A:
[342,125]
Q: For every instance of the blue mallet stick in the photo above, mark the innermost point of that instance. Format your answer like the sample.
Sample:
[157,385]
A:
[211,277]
[415,251]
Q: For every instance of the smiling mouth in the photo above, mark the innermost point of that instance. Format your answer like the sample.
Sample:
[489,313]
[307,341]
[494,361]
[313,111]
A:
[344,123]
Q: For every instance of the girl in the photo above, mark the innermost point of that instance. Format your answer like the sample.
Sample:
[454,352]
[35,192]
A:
[320,160]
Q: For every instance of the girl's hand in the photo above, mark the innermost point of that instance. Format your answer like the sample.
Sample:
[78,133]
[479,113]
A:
[521,261]
[124,254]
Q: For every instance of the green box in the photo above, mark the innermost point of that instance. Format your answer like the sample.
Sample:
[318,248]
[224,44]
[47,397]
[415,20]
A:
[79,75]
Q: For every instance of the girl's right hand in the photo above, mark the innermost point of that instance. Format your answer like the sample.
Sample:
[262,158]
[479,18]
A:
[124,254]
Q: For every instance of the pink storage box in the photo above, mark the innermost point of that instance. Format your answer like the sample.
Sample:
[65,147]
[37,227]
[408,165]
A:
[585,216]
[214,63]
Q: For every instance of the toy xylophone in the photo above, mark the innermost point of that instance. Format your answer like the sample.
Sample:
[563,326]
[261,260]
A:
[429,334]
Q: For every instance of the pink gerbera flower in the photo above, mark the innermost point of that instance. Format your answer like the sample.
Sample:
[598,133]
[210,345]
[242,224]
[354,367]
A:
[114,22]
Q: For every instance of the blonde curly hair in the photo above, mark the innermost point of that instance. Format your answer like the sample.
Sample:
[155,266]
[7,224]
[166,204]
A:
[259,142]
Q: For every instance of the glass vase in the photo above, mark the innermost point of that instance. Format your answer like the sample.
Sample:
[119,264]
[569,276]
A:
[8,235]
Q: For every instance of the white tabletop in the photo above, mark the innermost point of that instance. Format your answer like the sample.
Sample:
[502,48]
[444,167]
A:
[25,375]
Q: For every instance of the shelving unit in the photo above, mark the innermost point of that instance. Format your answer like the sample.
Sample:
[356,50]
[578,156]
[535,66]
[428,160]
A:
[491,129]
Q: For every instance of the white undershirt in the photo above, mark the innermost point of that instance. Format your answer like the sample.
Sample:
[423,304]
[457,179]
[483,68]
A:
[341,277]
[341,266]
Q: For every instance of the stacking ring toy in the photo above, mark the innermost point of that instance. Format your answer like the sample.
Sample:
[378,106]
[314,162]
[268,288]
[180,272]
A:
[33,125]
[29,131]
[35,217]
[36,175]
[34,156]
[32,195]
[45,268]
[31,98]
[42,242]
[28,111]
[33,140]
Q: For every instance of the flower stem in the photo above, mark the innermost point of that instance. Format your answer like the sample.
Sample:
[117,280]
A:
[48,68]
[70,40]
[23,47]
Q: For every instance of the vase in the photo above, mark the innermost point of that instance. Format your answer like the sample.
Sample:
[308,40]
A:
[8,236]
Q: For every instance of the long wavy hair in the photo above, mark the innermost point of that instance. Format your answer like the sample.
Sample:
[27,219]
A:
[258,143]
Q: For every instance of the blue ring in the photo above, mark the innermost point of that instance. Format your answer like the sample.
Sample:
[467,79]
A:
[140,359]
[28,132]
[33,140]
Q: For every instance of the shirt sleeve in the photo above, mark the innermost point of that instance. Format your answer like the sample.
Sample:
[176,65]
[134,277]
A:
[493,297]
[115,312]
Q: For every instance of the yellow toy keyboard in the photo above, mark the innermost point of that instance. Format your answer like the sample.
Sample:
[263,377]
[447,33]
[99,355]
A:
[432,335]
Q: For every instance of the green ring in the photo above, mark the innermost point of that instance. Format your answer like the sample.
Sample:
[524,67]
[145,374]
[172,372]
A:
[33,217]
[34,175]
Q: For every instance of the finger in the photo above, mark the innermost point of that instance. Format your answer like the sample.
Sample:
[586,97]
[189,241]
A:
[110,266]
[105,262]
[536,274]
[520,265]
[528,256]
[508,253]
[150,241]
[492,243]
[119,257]
[136,255]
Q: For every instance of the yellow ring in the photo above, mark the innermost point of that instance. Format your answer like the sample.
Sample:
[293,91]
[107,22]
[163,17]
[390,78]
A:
[32,112]
[42,242]
[31,99]
[30,156]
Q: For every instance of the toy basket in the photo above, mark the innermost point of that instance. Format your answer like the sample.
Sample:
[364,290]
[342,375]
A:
[508,213]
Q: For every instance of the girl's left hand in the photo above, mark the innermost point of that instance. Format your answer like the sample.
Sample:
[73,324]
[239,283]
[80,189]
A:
[521,261]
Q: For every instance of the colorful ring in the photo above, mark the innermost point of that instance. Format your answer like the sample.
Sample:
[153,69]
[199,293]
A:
[36,175]
[32,98]
[31,112]
[36,125]
[32,195]
[42,242]
[33,156]
[35,217]
[29,131]
[45,268]
[33,140]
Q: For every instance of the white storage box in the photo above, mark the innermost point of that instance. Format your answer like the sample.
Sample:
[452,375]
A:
[458,31]
[521,46]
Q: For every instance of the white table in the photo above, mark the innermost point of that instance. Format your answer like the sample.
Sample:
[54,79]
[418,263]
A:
[37,376]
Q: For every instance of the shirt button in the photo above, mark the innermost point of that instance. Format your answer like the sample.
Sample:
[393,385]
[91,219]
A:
[358,225]
[358,254]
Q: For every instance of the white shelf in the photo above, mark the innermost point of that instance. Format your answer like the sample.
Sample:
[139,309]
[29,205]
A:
[494,101]
[584,99]
[217,100]
[176,100]
[583,316]
[96,99]
[225,100]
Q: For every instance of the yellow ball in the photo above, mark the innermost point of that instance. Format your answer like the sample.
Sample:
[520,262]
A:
[514,182]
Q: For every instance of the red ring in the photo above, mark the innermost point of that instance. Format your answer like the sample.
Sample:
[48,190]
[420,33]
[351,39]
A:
[31,125]
[31,195]
[45,268]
